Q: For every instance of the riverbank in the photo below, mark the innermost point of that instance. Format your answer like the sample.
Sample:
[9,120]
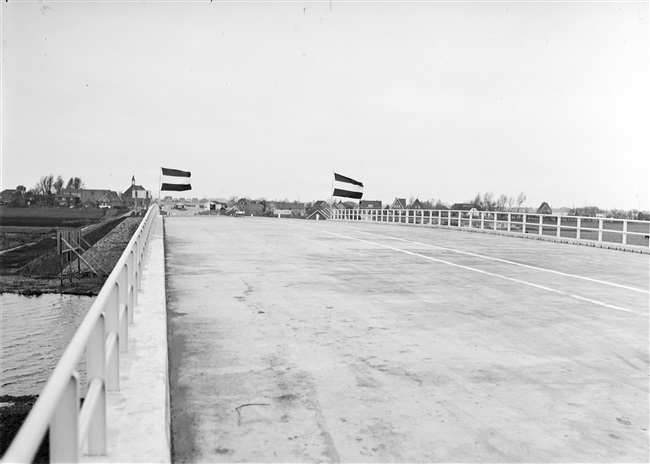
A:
[13,411]
[35,269]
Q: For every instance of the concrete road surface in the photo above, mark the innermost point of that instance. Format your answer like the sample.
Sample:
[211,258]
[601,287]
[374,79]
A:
[310,341]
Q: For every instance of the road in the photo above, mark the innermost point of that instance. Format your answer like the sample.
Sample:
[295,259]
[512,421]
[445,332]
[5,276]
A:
[306,341]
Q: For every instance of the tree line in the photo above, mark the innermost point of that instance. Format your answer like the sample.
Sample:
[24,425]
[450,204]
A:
[503,202]
[45,189]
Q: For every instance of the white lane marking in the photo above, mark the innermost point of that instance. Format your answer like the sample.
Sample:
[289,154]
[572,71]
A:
[492,274]
[476,255]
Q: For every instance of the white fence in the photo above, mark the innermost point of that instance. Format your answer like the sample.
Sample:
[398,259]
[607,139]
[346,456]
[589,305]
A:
[102,334]
[621,231]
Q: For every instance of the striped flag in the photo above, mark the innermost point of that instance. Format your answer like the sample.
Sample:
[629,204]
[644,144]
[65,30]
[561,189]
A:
[347,187]
[174,179]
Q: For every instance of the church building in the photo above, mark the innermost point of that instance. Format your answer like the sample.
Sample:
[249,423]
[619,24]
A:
[136,196]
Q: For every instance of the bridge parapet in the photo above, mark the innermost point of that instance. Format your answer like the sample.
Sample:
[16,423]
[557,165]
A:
[606,232]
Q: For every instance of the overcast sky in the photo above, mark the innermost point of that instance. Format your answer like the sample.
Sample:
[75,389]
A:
[431,100]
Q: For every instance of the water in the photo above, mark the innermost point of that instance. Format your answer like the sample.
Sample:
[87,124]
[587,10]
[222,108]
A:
[35,331]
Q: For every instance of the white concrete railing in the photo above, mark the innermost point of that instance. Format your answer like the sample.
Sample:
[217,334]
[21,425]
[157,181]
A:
[623,231]
[102,334]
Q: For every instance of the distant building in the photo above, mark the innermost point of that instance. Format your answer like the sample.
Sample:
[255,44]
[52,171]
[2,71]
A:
[469,207]
[370,204]
[110,200]
[213,206]
[7,195]
[252,209]
[544,208]
[416,205]
[286,205]
[399,203]
[136,196]
[89,198]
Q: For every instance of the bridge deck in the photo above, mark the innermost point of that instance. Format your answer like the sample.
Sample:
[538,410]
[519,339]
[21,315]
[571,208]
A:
[328,341]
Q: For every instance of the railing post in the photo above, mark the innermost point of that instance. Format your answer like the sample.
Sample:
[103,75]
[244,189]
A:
[624,232]
[112,314]
[133,276]
[578,225]
[96,351]
[97,429]
[541,224]
[124,328]
[111,311]
[112,362]
[600,230]
[64,426]
[96,369]
[123,281]
[139,257]
[558,224]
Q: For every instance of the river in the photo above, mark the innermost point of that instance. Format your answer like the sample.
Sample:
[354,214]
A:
[35,332]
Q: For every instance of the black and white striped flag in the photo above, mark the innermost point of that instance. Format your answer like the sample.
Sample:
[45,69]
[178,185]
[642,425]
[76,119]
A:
[174,179]
[347,187]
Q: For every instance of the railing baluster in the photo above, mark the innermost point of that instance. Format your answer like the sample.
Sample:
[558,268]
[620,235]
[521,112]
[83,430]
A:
[96,369]
[578,225]
[92,419]
[112,362]
[64,431]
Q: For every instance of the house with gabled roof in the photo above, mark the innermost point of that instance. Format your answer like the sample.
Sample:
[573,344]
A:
[110,200]
[399,203]
[544,208]
[416,205]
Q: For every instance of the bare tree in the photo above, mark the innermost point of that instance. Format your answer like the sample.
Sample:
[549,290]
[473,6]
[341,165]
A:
[501,202]
[488,201]
[510,202]
[45,185]
[58,184]
[44,188]
[520,200]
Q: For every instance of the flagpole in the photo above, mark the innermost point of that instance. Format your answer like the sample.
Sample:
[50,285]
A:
[332,193]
